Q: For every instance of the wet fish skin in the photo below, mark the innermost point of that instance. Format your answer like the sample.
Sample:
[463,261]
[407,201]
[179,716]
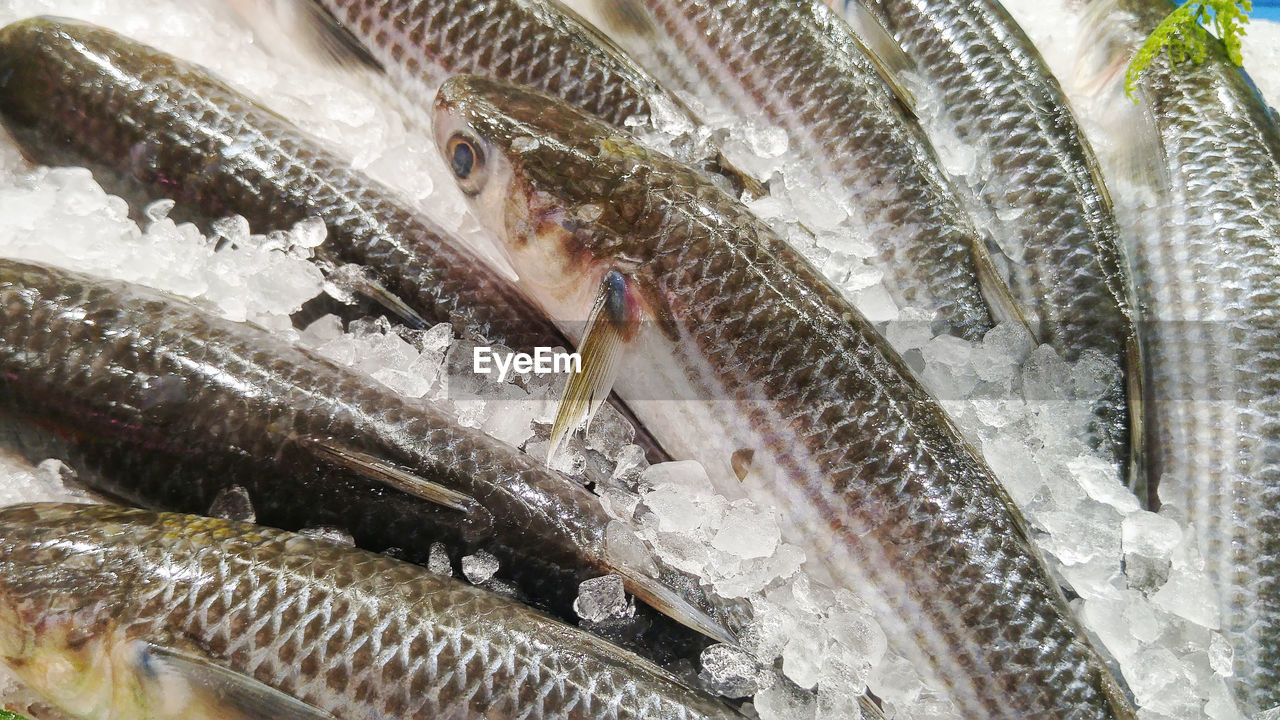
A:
[150,125]
[875,482]
[540,43]
[352,633]
[1000,97]
[1207,266]
[796,65]
[160,404]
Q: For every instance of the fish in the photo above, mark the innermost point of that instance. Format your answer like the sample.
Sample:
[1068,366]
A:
[408,47]
[115,613]
[796,65]
[1203,160]
[1044,191]
[150,125]
[740,355]
[160,404]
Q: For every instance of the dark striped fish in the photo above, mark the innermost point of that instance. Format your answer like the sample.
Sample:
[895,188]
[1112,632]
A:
[157,403]
[116,614]
[735,349]
[1207,266]
[1044,190]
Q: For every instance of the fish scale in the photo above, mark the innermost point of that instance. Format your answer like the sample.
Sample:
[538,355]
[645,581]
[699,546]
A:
[876,484]
[531,42]
[796,66]
[349,632]
[149,124]
[1070,273]
[159,404]
[1206,247]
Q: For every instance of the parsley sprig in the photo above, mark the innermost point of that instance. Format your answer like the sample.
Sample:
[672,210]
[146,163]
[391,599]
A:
[1184,34]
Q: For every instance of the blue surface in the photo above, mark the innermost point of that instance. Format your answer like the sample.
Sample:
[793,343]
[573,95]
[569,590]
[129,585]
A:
[1266,9]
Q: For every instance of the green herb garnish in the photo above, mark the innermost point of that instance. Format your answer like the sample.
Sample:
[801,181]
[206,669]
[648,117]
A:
[8,715]
[1184,34]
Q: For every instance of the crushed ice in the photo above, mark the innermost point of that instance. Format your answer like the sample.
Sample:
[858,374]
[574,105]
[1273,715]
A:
[1136,576]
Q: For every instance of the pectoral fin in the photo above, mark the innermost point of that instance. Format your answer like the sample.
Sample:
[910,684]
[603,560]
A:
[669,603]
[614,322]
[386,473]
[1000,301]
[218,691]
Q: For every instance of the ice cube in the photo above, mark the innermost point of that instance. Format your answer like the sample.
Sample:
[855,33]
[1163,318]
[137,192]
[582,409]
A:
[479,567]
[438,560]
[746,533]
[729,671]
[610,433]
[685,477]
[603,598]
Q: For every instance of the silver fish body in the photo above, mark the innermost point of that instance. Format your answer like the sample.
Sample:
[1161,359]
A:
[1044,191]
[152,126]
[796,65]
[1206,247]
[161,404]
[745,359]
[115,614]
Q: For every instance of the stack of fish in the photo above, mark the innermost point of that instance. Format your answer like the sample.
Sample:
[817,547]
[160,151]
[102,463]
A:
[629,226]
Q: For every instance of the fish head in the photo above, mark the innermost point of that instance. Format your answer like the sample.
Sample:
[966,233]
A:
[562,189]
[60,630]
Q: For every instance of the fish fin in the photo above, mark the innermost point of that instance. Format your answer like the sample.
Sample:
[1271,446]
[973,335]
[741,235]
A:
[237,695]
[386,473]
[308,27]
[1003,306]
[741,181]
[668,602]
[870,710]
[882,49]
[613,322]
[370,287]
[1137,386]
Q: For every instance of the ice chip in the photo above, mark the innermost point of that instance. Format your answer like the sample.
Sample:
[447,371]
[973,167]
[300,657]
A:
[234,228]
[308,233]
[158,210]
[331,534]
[438,560]
[479,567]
[685,477]
[625,549]
[746,533]
[729,671]
[603,598]
[1149,534]
[610,433]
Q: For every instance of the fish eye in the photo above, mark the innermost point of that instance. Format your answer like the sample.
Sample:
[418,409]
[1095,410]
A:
[466,160]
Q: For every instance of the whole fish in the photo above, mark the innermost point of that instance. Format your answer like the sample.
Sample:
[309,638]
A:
[414,45]
[1206,248]
[1044,189]
[115,614]
[150,126]
[155,402]
[796,65]
[741,356]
